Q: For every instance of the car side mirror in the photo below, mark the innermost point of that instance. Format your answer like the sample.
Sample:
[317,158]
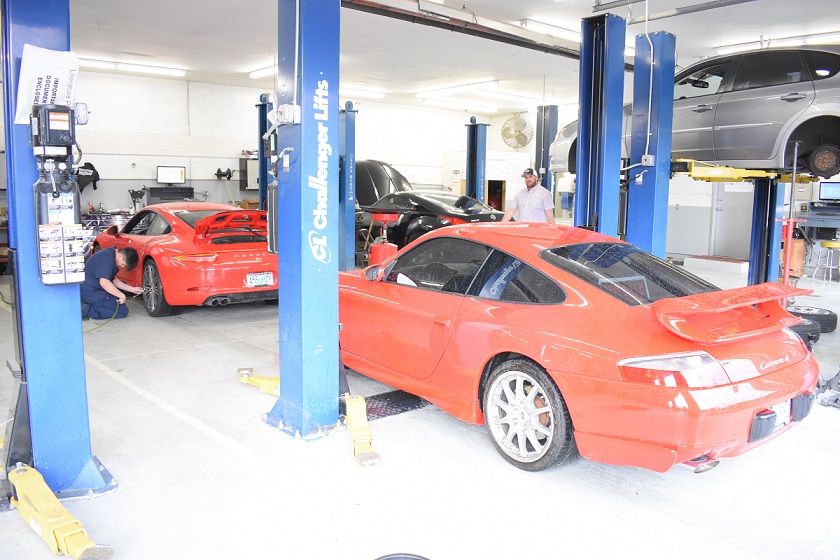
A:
[113,230]
[374,273]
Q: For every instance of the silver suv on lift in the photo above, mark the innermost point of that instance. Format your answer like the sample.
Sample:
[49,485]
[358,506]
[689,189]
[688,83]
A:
[746,110]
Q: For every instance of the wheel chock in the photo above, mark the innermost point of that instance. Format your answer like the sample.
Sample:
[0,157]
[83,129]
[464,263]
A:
[42,511]
[359,428]
[268,385]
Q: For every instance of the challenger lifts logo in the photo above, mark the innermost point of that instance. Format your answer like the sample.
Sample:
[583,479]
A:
[317,240]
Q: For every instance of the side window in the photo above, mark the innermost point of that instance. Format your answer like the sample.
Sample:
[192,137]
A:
[444,264]
[823,64]
[705,81]
[506,278]
[139,224]
[159,226]
[769,69]
[365,190]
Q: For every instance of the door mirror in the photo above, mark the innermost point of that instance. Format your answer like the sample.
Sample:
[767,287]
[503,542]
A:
[374,273]
[113,230]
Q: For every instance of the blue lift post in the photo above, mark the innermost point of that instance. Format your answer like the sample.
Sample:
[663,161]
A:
[347,187]
[48,317]
[546,132]
[307,210]
[599,125]
[263,108]
[653,110]
[476,160]
[766,238]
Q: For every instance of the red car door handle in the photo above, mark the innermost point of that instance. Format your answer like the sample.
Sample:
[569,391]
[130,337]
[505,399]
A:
[441,321]
[793,97]
[702,108]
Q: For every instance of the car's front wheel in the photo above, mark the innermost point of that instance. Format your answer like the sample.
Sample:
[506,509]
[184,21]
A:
[527,417]
[153,297]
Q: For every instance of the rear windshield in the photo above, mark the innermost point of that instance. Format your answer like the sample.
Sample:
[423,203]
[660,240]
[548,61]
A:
[626,272]
[191,218]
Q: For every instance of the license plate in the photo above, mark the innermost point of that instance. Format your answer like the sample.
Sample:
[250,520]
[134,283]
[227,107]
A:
[782,411]
[255,279]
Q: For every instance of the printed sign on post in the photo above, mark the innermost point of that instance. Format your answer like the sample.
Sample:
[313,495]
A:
[46,78]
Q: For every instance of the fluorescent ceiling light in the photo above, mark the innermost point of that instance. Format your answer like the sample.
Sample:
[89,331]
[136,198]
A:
[353,92]
[100,64]
[459,88]
[732,49]
[452,104]
[523,99]
[553,30]
[822,39]
[791,42]
[262,72]
[143,69]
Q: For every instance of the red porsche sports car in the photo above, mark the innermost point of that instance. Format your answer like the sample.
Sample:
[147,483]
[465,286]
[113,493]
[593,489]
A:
[562,340]
[196,253]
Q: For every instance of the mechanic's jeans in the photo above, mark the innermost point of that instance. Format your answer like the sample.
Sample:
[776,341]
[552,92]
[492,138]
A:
[103,307]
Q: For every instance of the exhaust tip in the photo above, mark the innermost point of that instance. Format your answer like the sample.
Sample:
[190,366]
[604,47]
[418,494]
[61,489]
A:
[706,467]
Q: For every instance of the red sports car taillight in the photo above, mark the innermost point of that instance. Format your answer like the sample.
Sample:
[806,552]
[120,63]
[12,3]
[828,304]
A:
[196,258]
[697,369]
[453,220]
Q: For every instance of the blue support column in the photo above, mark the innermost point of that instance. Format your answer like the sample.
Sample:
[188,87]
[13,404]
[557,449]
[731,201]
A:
[476,160]
[547,126]
[307,225]
[263,108]
[766,238]
[347,187]
[653,111]
[49,317]
[599,125]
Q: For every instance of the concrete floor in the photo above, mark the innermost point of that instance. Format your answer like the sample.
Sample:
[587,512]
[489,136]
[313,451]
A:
[201,476]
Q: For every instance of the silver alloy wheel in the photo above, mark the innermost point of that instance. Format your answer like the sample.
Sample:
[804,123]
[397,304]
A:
[153,297]
[520,416]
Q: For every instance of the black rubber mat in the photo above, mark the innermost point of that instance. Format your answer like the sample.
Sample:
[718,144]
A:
[393,403]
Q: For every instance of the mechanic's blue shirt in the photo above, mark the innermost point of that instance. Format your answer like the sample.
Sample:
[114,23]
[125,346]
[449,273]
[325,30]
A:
[102,264]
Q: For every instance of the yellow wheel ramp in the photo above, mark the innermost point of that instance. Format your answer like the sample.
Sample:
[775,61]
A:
[42,511]
[359,428]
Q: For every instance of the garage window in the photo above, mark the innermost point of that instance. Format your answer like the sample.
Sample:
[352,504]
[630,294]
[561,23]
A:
[823,65]
[443,264]
[770,69]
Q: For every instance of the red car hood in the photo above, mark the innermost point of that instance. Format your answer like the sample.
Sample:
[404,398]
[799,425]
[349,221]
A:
[234,220]
[728,315]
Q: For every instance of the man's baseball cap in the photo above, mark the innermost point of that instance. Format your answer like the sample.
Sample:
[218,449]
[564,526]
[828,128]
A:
[530,171]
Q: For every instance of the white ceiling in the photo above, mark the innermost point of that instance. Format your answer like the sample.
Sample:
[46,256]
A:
[219,42]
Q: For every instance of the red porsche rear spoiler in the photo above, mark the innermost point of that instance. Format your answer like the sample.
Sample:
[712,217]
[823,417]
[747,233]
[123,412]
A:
[728,315]
[233,220]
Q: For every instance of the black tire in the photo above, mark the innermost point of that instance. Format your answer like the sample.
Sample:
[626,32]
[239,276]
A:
[824,161]
[529,434]
[826,319]
[153,298]
[808,331]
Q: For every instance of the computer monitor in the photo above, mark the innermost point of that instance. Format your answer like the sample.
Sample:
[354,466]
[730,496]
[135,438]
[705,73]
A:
[171,174]
[830,191]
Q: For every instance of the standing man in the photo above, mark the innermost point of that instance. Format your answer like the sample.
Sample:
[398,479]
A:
[101,295]
[534,203]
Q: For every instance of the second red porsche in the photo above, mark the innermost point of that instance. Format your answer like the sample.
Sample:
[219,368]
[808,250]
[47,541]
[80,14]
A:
[196,253]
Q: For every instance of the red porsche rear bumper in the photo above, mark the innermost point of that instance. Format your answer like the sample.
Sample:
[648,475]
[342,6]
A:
[657,427]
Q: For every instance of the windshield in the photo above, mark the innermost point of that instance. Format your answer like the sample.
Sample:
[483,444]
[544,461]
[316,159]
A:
[626,272]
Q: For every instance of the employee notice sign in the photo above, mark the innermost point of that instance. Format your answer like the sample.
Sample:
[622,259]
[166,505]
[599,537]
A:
[46,77]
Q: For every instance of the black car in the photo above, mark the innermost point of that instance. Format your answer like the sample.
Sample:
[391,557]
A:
[375,179]
[418,213]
